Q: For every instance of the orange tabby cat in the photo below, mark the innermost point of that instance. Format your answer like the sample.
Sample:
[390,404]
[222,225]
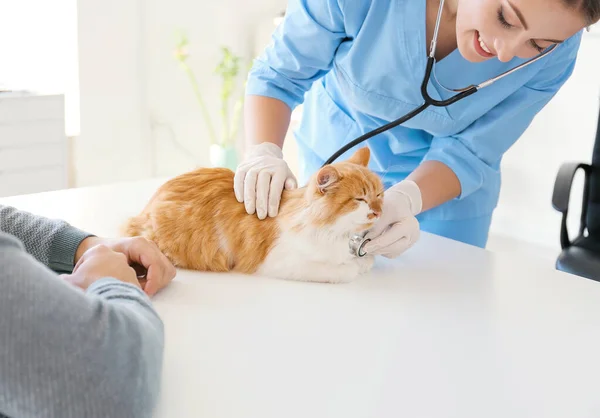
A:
[197,222]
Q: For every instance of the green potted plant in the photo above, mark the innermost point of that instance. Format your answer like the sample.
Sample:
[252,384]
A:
[223,151]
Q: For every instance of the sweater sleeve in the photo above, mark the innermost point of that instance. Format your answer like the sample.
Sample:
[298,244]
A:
[71,353]
[51,242]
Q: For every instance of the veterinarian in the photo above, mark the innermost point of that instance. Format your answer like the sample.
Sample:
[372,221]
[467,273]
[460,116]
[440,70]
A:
[360,64]
[86,343]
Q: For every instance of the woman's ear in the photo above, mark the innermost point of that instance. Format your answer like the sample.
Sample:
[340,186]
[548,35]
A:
[326,177]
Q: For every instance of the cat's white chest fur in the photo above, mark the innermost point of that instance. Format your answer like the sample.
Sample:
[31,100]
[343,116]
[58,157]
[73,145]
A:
[307,252]
[314,255]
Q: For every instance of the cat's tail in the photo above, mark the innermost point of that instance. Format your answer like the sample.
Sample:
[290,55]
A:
[136,226]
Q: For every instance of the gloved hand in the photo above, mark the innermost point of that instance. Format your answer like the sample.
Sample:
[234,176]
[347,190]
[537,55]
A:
[397,229]
[260,179]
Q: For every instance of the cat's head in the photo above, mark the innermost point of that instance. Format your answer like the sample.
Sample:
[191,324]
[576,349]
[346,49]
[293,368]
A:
[346,195]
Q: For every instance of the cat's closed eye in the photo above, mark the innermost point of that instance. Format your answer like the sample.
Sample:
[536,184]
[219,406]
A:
[360,199]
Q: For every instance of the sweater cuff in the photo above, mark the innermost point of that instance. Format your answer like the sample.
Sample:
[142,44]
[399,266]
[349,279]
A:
[109,288]
[111,284]
[63,248]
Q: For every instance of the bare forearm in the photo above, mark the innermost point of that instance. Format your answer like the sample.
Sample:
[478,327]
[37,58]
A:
[437,182]
[266,120]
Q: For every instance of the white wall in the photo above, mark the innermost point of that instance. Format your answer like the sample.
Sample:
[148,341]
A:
[171,104]
[137,107]
[111,143]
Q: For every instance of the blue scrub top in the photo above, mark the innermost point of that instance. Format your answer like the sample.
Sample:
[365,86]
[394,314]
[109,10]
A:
[358,64]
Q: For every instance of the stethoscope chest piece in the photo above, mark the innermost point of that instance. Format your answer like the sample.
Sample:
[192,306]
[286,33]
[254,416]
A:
[356,245]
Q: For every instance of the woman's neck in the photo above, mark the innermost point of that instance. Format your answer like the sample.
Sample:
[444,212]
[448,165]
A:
[450,8]
[446,43]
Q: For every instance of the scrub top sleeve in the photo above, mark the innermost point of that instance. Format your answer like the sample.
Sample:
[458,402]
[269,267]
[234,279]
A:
[301,51]
[475,153]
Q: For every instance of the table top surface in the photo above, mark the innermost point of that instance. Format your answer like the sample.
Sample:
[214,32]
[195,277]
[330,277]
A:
[446,330]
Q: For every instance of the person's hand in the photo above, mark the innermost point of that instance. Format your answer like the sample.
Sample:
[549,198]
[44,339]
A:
[141,254]
[397,229]
[260,179]
[99,262]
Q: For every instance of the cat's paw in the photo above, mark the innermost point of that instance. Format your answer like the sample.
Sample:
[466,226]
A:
[365,264]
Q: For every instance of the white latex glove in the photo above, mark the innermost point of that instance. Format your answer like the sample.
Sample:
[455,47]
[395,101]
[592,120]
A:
[260,179]
[397,229]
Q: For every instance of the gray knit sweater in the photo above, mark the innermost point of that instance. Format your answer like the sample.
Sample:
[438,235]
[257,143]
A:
[64,352]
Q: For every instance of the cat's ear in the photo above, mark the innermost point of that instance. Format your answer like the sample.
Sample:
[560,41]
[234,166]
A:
[361,157]
[327,176]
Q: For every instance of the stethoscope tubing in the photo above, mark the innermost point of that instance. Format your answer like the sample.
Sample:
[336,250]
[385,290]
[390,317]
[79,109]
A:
[428,101]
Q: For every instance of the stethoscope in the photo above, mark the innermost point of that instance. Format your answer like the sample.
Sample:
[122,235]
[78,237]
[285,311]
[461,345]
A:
[358,241]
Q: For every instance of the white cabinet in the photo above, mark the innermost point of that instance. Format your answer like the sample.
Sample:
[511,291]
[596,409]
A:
[33,144]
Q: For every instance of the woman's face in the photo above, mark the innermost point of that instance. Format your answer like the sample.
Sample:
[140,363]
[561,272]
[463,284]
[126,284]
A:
[513,28]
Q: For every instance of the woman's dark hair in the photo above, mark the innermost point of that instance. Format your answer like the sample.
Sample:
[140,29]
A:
[589,8]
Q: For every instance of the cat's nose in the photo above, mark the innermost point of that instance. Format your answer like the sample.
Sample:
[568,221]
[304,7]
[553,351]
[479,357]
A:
[374,214]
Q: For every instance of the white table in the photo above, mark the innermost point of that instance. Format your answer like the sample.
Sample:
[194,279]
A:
[446,331]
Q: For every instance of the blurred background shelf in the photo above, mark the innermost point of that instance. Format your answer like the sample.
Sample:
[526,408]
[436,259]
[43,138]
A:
[34,151]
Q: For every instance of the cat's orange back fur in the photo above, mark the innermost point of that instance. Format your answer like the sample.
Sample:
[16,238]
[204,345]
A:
[197,223]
